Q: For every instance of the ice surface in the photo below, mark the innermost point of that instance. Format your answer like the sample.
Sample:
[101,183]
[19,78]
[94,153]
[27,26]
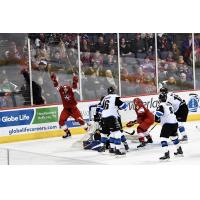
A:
[64,151]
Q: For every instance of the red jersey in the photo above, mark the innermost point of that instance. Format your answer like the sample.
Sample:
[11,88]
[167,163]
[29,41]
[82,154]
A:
[68,98]
[143,113]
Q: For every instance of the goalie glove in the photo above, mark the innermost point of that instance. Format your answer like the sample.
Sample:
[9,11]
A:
[131,123]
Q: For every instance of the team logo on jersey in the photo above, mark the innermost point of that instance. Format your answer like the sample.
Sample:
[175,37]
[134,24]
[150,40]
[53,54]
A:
[193,103]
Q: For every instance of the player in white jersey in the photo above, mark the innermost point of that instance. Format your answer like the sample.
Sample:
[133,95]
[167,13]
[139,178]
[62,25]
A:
[180,110]
[110,123]
[165,114]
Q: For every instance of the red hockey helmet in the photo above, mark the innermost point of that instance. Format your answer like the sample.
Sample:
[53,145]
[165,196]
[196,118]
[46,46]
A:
[137,101]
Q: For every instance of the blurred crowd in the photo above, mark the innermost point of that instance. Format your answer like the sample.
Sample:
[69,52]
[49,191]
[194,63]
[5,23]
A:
[175,69]
[99,64]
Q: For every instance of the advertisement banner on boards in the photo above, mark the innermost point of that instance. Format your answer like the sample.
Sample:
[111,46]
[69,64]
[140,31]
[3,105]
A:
[20,121]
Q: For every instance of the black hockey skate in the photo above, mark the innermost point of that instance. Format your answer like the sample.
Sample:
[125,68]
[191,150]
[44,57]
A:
[165,157]
[149,139]
[67,134]
[102,148]
[126,146]
[111,150]
[184,138]
[119,153]
[179,152]
[142,144]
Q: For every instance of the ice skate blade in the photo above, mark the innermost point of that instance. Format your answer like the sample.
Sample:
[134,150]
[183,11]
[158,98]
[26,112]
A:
[120,156]
[179,156]
[164,160]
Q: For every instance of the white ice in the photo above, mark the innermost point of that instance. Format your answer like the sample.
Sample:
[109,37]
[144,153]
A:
[68,151]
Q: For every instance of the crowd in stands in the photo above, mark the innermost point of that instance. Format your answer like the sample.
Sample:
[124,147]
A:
[99,64]
[175,69]
[137,61]
[58,52]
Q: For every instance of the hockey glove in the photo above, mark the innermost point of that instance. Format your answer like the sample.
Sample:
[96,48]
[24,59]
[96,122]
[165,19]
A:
[53,78]
[131,123]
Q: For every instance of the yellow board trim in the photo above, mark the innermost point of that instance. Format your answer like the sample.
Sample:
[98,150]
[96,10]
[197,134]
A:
[59,133]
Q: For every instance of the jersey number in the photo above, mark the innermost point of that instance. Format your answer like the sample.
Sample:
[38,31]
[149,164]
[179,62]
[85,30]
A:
[106,104]
[171,110]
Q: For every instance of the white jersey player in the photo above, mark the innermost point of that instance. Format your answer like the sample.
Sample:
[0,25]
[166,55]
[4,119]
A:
[110,123]
[165,115]
[180,110]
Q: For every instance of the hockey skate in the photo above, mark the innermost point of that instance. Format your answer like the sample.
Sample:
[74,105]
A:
[119,153]
[67,134]
[179,152]
[102,148]
[165,157]
[126,146]
[111,150]
[149,139]
[142,144]
[184,139]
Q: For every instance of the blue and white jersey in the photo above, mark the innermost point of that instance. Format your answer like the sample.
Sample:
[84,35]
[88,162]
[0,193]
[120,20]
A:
[174,100]
[166,114]
[110,105]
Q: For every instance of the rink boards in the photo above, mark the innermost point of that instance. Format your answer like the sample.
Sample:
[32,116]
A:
[42,122]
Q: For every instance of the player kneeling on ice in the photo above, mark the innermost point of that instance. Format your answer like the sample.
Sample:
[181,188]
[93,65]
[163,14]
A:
[70,105]
[145,119]
[110,122]
[180,110]
[165,115]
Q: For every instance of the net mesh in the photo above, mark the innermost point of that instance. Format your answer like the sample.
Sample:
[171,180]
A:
[18,157]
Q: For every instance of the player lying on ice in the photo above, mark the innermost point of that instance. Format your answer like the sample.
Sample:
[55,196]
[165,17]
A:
[145,119]
[94,142]
[69,105]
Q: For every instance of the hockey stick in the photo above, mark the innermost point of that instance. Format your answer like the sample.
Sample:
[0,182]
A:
[132,133]
[153,127]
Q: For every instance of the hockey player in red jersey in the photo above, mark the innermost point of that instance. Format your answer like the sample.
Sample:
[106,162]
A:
[145,119]
[70,105]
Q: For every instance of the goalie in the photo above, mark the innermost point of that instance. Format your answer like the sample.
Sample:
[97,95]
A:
[145,119]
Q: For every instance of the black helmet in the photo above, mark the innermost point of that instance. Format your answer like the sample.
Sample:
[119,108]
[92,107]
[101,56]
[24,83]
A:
[162,97]
[111,90]
[164,90]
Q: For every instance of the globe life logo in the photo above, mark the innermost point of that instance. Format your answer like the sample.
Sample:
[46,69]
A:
[15,119]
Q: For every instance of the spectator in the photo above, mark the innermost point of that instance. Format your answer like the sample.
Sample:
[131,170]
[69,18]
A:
[25,90]
[138,47]
[171,84]
[183,84]
[149,44]
[163,46]
[100,46]
[111,45]
[86,59]
[12,55]
[109,80]
[124,48]
[85,46]
[175,52]
[97,59]
[111,60]
[172,70]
